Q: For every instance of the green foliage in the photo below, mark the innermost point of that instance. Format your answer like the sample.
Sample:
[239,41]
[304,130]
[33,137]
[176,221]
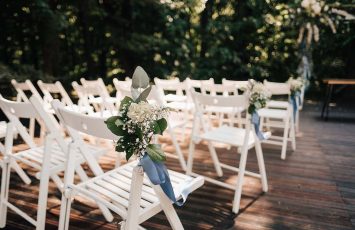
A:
[232,39]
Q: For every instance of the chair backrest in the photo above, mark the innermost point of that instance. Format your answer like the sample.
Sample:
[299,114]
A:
[52,125]
[277,88]
[237,84]
[123,88]
[169,85]
[83,96]
[97,87]
[14,111]
[77,123]
[218,89]
[196,84]
[203,102]
[54,88]
[22,88]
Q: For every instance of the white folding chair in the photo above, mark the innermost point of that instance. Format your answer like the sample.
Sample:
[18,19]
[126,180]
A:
[21,89]
[222,112]
[124,190]
[123,88]
[242,138]
[237,84]
[176,121]
[49,159]
[279,114]
[98,94]
[48,89]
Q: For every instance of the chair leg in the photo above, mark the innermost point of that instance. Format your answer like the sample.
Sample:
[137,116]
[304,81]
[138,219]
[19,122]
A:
[168,209]
[32,127]
[215,160]
[238,191]
[261,164]
[285,139]
[191,156]
[178,149]
[293,135]
[64,213]
[5,183]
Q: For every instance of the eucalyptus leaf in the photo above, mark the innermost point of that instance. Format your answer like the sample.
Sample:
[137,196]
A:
[143,96]
[117,130]
[156,153]
[112,119]
[140,78]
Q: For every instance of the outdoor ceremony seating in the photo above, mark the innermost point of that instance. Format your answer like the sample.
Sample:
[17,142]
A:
[123,88]
[98,95]
[49,159]
[279,115]
[237,84]
[21,89]
[241,138]
[124,190]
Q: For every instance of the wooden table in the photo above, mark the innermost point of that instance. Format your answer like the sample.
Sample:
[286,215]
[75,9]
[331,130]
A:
[330,85]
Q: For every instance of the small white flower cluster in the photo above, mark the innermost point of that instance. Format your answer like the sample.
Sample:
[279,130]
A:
[296,85]
[258,95]
[144,112]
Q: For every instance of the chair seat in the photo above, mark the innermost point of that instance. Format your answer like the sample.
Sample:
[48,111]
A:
[230,135]
[114,186]
[273,113]
[34,157]
[278,104]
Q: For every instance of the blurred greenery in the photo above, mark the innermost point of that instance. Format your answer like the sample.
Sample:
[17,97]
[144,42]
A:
[65,40]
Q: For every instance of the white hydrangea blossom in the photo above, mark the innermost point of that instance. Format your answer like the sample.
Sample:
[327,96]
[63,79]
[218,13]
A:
[296,85]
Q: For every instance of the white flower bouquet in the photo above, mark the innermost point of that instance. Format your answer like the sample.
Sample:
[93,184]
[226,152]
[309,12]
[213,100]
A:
[296,85]
[137,122]
[258,96]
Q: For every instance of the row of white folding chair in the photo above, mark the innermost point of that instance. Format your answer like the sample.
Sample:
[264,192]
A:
[279,115]
[49,159]
[242,138]
[123,88]
[124,190]
[98,95]
[24,89]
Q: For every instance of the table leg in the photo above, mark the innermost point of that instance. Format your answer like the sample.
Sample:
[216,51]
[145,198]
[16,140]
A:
[325,101]
[329,99]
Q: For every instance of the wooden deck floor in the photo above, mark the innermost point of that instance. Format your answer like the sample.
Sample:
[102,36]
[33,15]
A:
[314,188]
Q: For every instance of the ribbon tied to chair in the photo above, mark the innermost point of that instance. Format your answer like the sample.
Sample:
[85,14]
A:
[293,100]
[159,175]
[255,120]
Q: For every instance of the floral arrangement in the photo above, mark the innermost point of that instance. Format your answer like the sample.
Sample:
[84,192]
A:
[258,96]
[296,85]
[310,14]
[138,121]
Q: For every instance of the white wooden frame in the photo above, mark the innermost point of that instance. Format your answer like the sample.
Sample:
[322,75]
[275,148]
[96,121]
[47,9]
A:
[243,139]
[128,205]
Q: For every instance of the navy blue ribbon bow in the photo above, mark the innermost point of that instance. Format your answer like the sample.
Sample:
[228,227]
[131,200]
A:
[255,120]
[158,175]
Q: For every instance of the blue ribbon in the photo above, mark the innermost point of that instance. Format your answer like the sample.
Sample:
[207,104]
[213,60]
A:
[294,103]
[158,175]
[255,120]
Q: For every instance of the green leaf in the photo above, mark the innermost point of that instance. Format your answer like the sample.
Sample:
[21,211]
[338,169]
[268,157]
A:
[140,78]
[112,126]
[119,148]
[156,153]
[125,101]
[159,126]
[143,96]
[129,153]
